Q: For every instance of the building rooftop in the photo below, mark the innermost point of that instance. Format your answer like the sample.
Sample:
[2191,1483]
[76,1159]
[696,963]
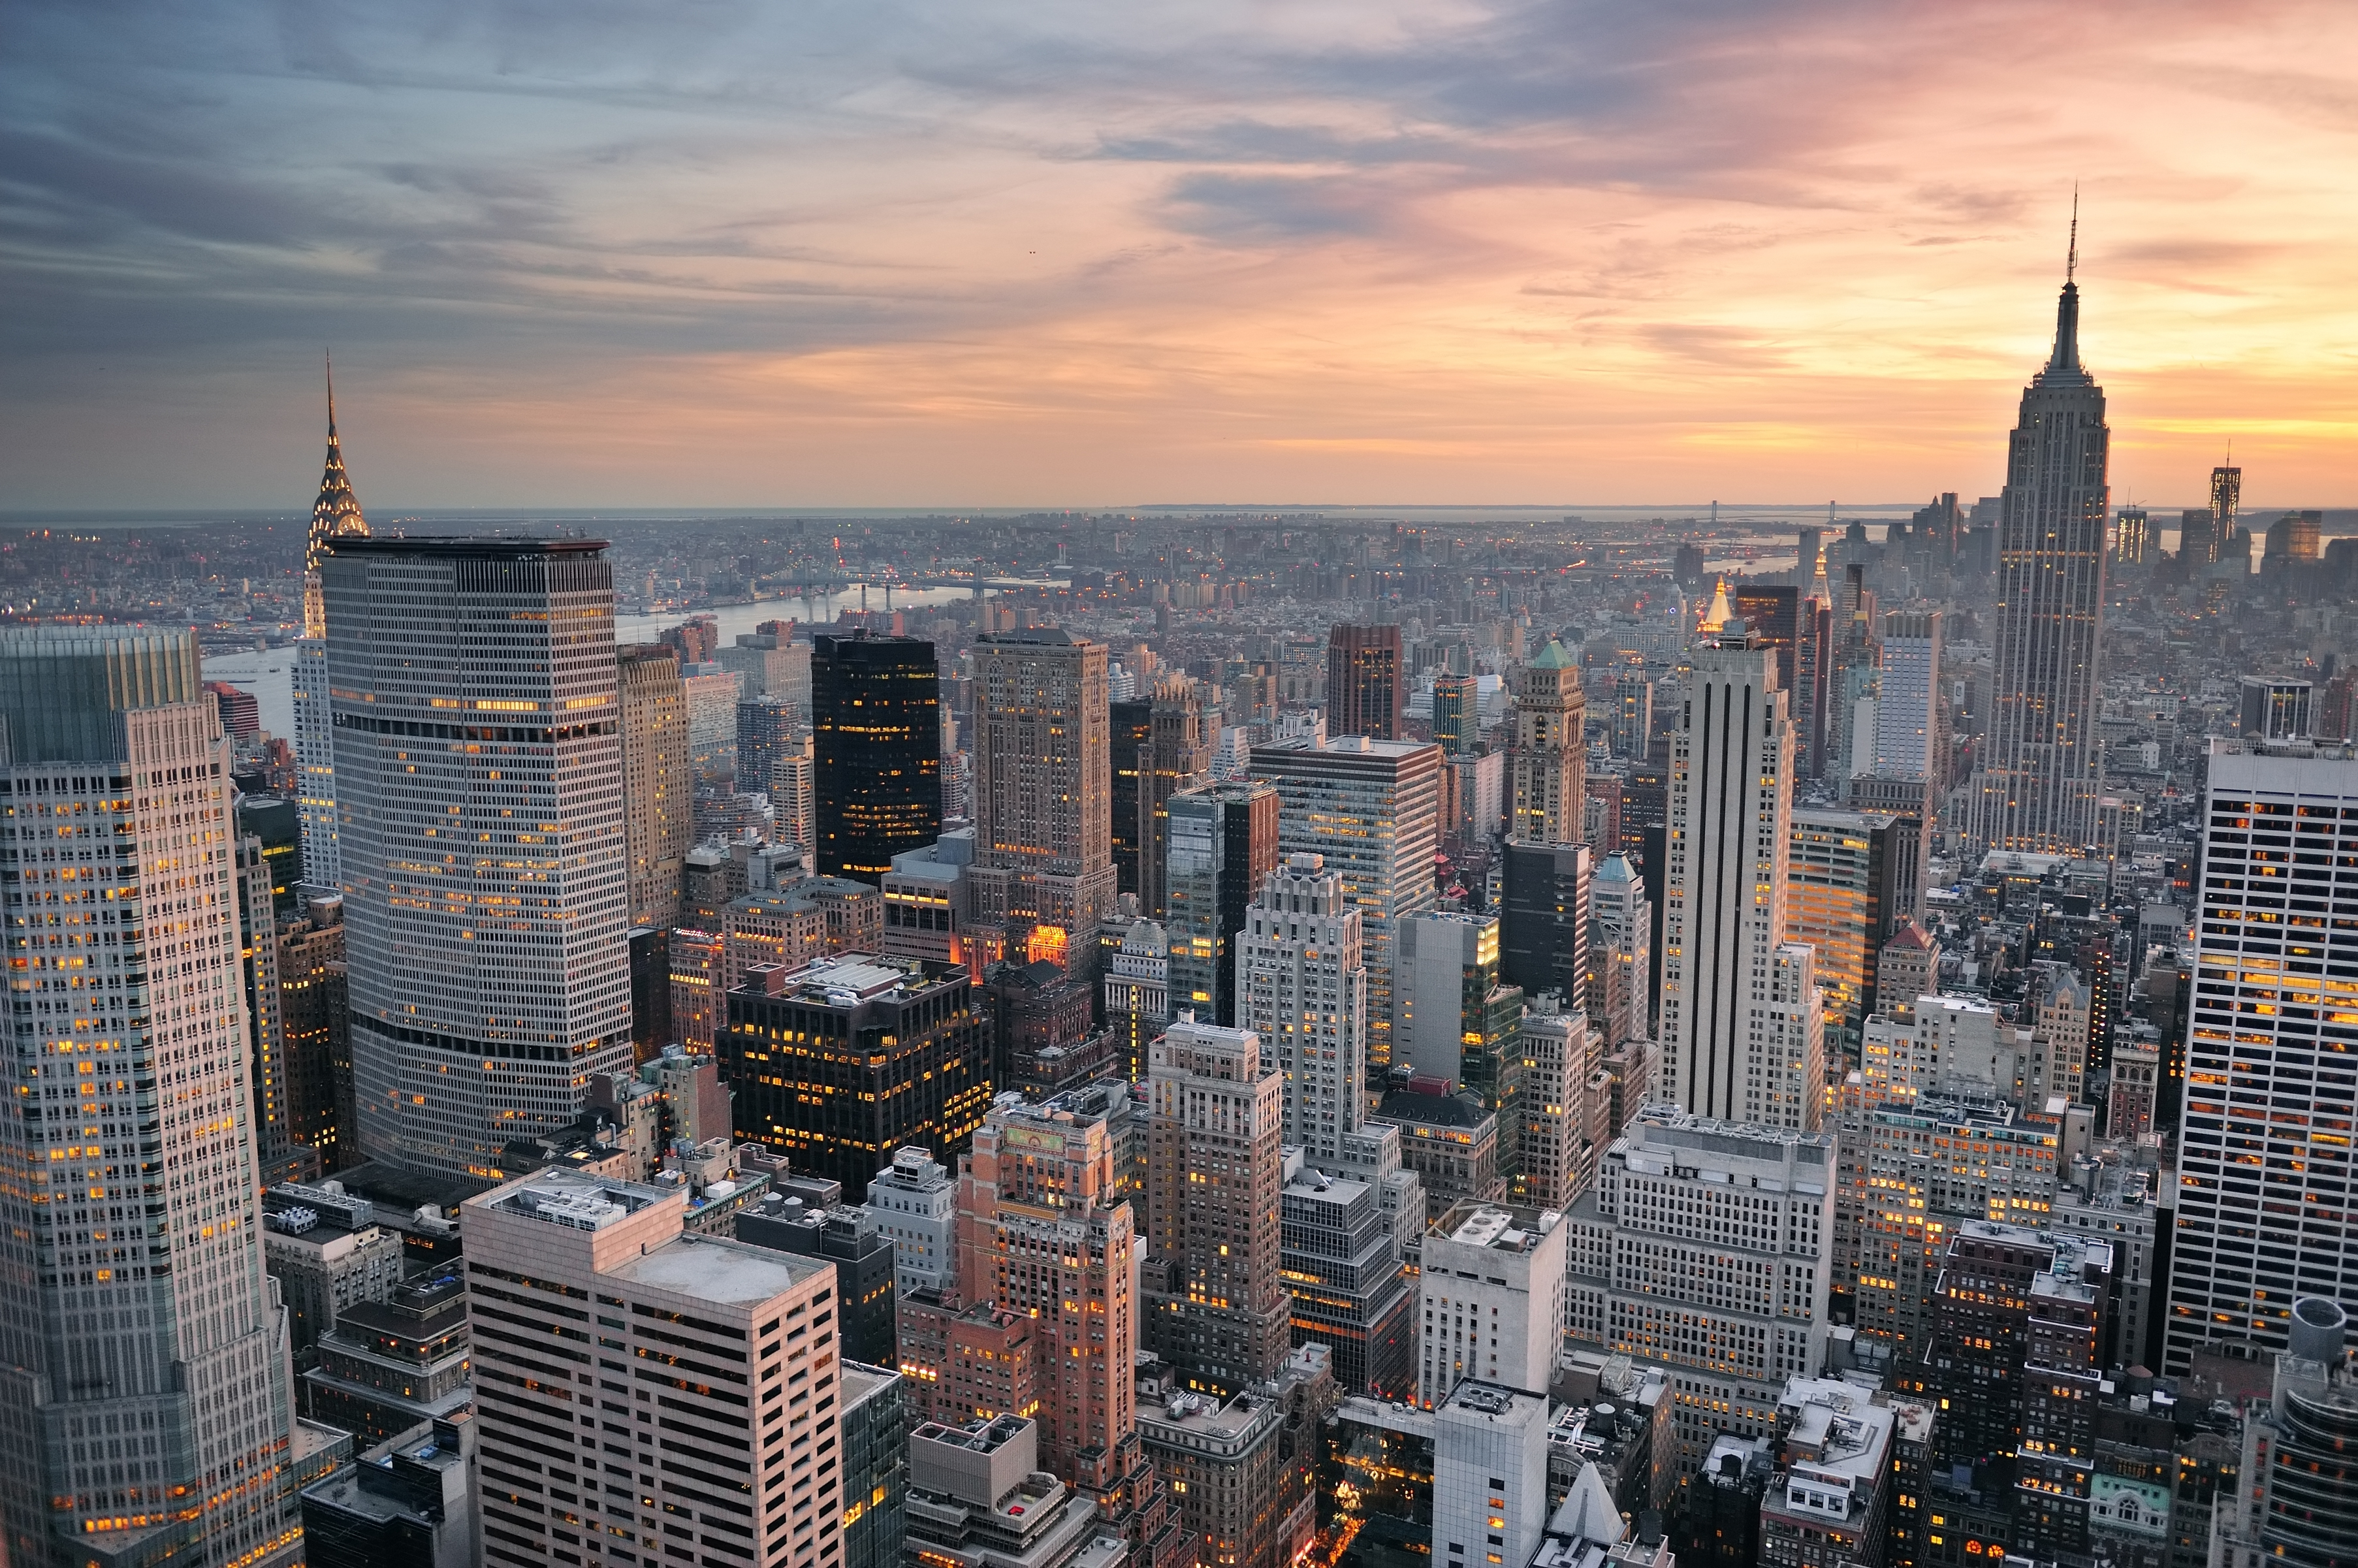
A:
[719,1270]
[1472,1222]
[464,546]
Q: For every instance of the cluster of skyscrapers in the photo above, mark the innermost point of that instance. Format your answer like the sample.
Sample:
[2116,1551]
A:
[1015,1132]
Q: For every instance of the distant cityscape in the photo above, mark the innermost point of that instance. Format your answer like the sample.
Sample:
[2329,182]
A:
[1186,1037]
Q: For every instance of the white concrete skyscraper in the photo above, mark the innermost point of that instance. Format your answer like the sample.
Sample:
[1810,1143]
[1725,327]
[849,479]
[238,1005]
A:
[1735,993]
[1373,809]
[1301,985]
[479,802]
[143,1350]
[2036,789]
[2265,1184]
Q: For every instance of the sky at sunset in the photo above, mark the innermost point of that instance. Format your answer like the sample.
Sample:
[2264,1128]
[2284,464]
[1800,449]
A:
[714,253]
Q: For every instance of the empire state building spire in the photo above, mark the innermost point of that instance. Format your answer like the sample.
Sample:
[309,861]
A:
[2036,787]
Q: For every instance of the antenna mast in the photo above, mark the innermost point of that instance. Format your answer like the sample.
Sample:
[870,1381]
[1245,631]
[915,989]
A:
[2072,261]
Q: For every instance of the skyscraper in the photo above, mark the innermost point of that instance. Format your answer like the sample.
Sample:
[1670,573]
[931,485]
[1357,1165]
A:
[479,802]
[1550,793]
[1215,1169]
[1177,756]
[877,778]
[1041,1234]
[1457,711]
[1633,714]
[1620,955]
[658,788]
[1129,729]
[1457,1022]
[2036,789]
[1221,843]
[1302,985]
[143,1350]
[1543,920]
[336,514]
[1043,819]
[1732,987]
[731,1472]
[1842,899]
[1367,682]
[2262,1206]
[2227,509]
[1907,703]
[1372,809]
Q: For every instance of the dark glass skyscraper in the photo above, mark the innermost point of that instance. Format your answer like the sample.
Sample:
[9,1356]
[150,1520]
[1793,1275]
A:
[2036,791]
[1367,682]
[1133,731]
[876,711]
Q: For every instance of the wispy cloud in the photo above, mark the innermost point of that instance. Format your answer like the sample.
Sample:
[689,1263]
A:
[911,250]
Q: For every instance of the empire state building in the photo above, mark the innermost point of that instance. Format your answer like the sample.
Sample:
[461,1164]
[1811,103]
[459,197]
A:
[2036,789]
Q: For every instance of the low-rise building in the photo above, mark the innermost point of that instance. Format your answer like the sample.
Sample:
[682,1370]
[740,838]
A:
[1829,1500]
[410,1499]
[914,1202]
[977,1498]
[327,1251]
[393,1364]
[1450,1141]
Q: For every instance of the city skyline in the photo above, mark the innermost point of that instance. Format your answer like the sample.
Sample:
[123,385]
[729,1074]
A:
[1303,264]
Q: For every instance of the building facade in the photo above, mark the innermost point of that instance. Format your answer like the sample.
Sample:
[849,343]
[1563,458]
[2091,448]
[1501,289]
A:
[876,775]
[570,1278]
[480,807]
[1733,982]
[658,786]
[1219,846]
[1549,790]
[1372,809]
[1214,1307]
[137,1302]
[2255,1203]
[1367,682]
[1304,980]
[2036,789]
[1043,756]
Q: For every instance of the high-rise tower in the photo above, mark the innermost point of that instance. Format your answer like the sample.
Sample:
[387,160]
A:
[2036,791]
[658,789]
[1222,845]
[480,799]
[1742,1039]
[1367,682]
[1215,1168]
[1551,760]
[1303,986]
[1176,755]
[336,514]
[143,1350]
[1373,809]
[877,778]
[2265,1194]
[1043,756]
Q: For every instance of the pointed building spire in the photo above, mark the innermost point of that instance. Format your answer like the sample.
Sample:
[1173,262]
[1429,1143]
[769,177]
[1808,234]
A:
[335,514]
[2066,357]
[1715,618]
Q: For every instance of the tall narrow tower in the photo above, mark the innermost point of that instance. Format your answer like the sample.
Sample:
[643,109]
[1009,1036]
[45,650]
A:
[1742,1038]
[2036,792]
[1042,776]
[143,1350]
[1551,759]
[1305,995]
[336,514]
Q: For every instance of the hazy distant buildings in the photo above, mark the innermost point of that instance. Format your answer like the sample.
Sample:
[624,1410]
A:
[479,767]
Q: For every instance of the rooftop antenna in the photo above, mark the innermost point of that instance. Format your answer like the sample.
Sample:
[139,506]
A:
[2072,261]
